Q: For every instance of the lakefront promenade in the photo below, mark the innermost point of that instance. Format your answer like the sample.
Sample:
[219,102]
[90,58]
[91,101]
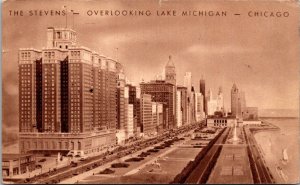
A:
[235,157]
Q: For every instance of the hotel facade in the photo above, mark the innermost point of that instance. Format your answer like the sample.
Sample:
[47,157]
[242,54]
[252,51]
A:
[67,97]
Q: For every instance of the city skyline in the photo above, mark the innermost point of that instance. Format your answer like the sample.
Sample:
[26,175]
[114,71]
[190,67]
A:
[159,91]
[215,51]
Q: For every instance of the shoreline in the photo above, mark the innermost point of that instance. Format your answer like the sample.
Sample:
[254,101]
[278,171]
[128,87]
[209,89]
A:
[271,143]
[268,157]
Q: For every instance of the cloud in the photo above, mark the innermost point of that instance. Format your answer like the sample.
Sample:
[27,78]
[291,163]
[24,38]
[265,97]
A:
[218,49]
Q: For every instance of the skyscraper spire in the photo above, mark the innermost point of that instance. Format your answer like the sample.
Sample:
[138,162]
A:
[234,88]
[170,73]
[170,62]
[220,90]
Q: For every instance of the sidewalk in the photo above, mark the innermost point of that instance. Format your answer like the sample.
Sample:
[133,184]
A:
[48,165]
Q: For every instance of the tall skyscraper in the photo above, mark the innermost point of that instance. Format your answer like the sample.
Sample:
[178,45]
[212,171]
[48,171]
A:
[211,104]
[193,105]
[170,77]
[234,100]
[184,102]
[147,126]
[238,102]
[134,101]
[203,92]
[60,91]
[179,109]
[188,85]
[199,101]
[121,103]
[160,117]
[138,110]
[188,81]
[220,100]
[162,92]
[170,73]
[130,121]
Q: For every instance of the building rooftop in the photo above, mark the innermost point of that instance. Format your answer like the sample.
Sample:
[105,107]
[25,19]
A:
[157,82]
[31,49]
[220,117]
[61,29]
[8,156]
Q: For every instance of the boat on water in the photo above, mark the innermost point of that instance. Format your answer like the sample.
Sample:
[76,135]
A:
[285,157]
[281,174]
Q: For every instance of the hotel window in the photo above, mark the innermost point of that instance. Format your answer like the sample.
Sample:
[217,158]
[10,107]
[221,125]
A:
[72,145]
[54,144]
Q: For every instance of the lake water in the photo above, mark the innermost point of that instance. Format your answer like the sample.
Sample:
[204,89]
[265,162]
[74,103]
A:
[274,142]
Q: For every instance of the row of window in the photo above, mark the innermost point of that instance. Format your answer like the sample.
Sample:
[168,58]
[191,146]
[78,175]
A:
[25,81]
[50,145]
[220,121]
[25,77]
[25,115]
[49,54]
[25,55]
[25,105]
[47,92]
[25,69]
[220,124]
[25,92]
[75,53]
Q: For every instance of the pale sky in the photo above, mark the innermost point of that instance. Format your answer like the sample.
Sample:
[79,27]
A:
[261,55]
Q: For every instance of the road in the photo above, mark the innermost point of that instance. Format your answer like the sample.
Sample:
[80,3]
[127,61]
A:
[68,171]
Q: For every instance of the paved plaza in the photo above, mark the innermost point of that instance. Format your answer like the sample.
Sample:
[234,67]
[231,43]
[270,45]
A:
[233,165]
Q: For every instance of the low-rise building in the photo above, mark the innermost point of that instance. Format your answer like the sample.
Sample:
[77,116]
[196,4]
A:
[17,164]
[221,121]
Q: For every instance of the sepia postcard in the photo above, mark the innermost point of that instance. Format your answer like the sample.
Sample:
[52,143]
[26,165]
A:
[150,92]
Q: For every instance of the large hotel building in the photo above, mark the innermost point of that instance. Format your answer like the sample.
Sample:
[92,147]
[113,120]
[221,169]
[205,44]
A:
[67,97]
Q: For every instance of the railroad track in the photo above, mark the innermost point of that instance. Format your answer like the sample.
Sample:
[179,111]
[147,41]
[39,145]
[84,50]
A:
[201,172]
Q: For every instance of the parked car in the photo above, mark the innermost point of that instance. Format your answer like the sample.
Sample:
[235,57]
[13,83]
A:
[42,160]
[73,164]
[38,166]
[83,158]
[70,154]
[75,173]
